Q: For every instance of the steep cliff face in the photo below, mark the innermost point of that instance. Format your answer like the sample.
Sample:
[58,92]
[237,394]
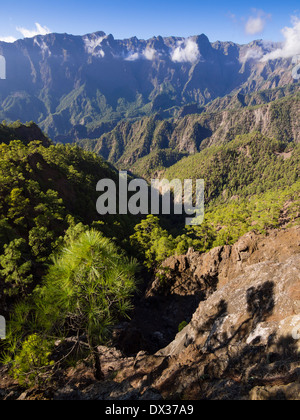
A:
[245,335]
[277,119]
[68,83]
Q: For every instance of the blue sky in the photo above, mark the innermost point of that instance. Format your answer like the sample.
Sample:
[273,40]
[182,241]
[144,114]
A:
[232,20]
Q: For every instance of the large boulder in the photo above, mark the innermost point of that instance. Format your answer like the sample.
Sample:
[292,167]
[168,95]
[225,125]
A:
[247,330]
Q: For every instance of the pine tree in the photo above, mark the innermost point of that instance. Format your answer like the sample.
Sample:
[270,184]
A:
[88,289]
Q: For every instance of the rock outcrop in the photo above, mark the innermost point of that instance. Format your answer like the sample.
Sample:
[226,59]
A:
[242,342]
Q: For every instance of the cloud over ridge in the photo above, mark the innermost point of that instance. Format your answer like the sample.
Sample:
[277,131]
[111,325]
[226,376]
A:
[187,51]
[30,33]
[291,45]
[27,33]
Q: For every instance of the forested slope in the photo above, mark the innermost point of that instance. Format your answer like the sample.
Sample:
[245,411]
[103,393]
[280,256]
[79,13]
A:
[45,192]
[156,139]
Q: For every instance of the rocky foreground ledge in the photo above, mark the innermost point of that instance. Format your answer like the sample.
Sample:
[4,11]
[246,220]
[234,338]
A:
[242,341]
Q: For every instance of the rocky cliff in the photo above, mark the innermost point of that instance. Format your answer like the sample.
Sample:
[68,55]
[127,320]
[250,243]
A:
[242,341]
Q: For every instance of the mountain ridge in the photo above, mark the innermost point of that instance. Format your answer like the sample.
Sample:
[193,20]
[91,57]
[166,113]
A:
[65,82]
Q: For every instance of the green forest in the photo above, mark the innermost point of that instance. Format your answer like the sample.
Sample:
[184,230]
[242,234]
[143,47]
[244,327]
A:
[67,272]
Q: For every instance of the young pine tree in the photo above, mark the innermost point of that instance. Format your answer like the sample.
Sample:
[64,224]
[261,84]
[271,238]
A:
[88,288]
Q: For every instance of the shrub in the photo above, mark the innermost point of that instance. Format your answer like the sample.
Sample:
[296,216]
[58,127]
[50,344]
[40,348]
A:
[31,360]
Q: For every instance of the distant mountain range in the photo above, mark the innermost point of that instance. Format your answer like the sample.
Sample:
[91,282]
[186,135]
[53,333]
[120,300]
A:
[82,86]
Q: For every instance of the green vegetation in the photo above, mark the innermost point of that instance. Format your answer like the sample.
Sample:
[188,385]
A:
[57,268]
[150,144]
[87,289]
[251,184]
[24,132]
[33,357]
[156,162]
[249,165]
[67,276]
[152,243]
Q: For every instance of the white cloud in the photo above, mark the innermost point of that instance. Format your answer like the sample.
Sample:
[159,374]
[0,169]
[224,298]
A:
[9,39]
[187,51]
[92,46]
[39,30]
[251,54]
[133,57]
[291,45]
[148,53]
[256,24]
[27,33]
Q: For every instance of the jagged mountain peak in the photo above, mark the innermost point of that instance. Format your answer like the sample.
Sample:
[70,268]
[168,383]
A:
[63,81]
